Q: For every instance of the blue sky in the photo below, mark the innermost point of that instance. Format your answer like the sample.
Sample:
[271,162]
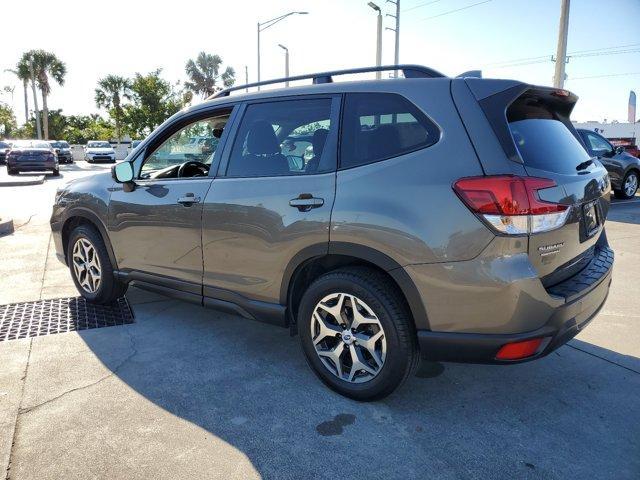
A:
[125,37]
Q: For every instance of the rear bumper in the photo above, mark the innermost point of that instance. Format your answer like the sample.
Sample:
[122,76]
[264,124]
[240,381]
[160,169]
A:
[565,323]
[28,166]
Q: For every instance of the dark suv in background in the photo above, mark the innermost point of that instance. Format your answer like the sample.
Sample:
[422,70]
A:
[459,219]
[623,168]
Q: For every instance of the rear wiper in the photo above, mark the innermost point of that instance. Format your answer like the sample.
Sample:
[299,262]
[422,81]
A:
[583,165]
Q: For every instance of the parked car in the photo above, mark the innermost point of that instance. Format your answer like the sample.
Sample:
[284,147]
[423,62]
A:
[32,156]
[134,144]
[4,148]
[623,168]
[63,150]
[96,151]
[432,220]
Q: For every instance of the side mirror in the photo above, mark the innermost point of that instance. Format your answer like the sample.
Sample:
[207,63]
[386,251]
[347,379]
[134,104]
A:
[619,149]
[123,173]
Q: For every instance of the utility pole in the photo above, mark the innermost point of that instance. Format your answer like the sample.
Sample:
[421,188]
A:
[561,53]
[378,38]
[35,99]
[286,63]
[396,57]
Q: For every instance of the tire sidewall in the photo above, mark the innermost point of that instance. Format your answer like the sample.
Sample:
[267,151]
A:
[626,177]
[105,263]
[397,357]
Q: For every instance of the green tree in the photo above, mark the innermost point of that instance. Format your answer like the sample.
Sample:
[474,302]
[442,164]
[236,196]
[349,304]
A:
[204,73]
[109,94]
[153,100]
[7,121]
[22,72]
[47,67]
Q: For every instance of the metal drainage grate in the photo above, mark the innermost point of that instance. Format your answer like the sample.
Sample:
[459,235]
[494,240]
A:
[46,317]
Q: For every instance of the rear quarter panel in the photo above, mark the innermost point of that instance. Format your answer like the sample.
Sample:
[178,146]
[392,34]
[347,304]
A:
[405,206]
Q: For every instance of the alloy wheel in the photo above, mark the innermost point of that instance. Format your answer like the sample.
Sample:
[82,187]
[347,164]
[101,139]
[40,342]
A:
[86,265]
[348,337]
[631,185]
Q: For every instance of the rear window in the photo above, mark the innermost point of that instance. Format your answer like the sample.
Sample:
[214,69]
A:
[547,144]
[378,126]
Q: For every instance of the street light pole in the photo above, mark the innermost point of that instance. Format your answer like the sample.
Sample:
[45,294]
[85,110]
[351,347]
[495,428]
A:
[396,56]
[561,53]
[286,63]
[269,23]
[378,38]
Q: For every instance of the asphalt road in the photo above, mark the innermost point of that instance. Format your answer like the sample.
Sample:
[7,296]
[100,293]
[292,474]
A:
[186,392]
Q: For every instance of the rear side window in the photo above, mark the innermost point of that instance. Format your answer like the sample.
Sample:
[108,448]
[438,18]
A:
[547,144]
[377,126]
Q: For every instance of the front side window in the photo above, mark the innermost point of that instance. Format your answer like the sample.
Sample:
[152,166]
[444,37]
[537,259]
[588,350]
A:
[377,126]
[282,138]
[598,145]
[188,152]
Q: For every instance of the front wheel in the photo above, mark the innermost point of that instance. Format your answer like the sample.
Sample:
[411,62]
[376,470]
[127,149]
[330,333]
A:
[56,172]
[629,186]
[357,334]
[91,268]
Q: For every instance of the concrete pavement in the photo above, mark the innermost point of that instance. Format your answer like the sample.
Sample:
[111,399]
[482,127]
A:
[192,393]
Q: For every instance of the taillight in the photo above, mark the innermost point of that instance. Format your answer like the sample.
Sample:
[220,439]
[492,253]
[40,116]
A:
[511,204]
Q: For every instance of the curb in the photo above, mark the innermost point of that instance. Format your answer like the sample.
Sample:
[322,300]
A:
[5,182]
[6,226]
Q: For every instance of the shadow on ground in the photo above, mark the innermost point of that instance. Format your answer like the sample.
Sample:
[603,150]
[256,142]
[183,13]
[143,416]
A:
[569,415]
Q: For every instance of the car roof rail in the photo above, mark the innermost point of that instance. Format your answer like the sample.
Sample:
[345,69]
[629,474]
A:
[409,71]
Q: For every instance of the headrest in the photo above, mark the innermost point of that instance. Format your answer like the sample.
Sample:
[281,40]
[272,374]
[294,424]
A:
[261,139]
[318,140]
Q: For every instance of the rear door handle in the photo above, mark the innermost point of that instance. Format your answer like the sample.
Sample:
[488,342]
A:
[306,202]
[188,200]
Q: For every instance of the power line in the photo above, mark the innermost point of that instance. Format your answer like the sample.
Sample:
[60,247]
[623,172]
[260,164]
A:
[421,5]
[600,54]
[457,10]
[603,76]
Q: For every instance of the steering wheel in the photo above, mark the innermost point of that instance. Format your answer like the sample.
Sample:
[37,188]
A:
[202,167]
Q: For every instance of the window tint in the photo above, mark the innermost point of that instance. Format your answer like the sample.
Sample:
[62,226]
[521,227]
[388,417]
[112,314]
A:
[548,145]
[377,126]
[282,138]
[197,142]
[599,146]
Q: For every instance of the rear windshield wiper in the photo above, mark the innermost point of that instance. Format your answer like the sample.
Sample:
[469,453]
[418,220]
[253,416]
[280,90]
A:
[583,165]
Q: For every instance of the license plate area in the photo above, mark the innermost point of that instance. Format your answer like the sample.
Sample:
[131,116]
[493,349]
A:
[591,218]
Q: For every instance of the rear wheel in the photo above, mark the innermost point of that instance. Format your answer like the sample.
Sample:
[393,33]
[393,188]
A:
[56,172]
[91,268]
[11,171]
[356,333]
[629,186]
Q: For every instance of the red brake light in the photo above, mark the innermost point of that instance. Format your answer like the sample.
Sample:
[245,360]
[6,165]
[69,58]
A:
[519,350]
[506,195]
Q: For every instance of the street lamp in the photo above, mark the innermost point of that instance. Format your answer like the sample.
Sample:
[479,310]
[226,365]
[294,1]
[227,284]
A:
[378,38]
[269,23]
[286,63]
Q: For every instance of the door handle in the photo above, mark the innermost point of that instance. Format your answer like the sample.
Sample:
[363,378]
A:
[306,202]
[188,200]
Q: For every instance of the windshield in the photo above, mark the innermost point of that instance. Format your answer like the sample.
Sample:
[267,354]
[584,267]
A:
[98,145]
[4,145]
[547,145]
[32,144]
[59,144]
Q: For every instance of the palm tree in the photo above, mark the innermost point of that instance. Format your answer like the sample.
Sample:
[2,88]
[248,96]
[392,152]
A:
[46,65]
[22,72]
[204,74]
[109,95]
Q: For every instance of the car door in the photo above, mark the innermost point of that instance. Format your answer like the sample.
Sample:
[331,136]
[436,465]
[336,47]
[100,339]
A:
[600,148]
[156,228]
[272,198]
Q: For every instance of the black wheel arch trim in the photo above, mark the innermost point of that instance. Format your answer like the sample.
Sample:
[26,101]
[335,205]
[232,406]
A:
[95,220]
[368,254]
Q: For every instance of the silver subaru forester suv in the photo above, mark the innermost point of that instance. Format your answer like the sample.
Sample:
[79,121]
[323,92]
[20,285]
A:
[453,219]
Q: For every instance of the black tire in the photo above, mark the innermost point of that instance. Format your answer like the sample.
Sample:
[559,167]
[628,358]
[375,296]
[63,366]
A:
[11,171]
[384,298]
[56,172]
[109,288]
[621,193]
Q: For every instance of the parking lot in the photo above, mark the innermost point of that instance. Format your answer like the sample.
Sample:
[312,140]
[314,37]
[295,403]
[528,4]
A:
[185,392]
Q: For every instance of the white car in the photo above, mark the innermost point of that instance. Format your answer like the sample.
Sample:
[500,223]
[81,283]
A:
[96,151]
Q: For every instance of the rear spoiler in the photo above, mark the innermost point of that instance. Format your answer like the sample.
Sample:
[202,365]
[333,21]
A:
[495,97]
